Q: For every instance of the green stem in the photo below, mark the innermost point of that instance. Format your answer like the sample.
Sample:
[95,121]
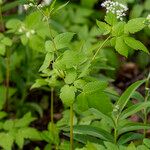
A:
[7,78]
[100,47]
[147,92]
[71,127]
[115,130]
[52,105]
[1,19]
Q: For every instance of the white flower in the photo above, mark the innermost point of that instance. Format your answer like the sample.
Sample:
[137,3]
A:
[22,29]
[46,2]
[148,17]
[27,6]
[29,33]
[116,8]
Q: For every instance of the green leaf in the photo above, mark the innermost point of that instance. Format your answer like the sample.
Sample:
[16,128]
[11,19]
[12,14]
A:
[93,131]
[136,95]
[101,115]
[13,25]
[82,102]
[132,127]
[8,125]
[134,109]
[63,40]
[104,28]
[135,44]
[6,141]
[125,138]
[2,49]
[36,43]
[27,133]
[135,25]
[131,146]
[24,121]
[146,142]
[67,94]
[49,47]
[100,101]
[6,41]
[38,83]
[70,76]
[95,86]
[48,58]
[111,146]
[118,29]
[121,46]
[111,19]
[125,97]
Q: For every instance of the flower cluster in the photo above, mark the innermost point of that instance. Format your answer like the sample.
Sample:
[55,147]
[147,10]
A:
[116,108]
[44,3]
[116,8]
[27,32]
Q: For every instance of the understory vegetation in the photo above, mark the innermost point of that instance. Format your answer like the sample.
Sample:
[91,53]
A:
[74,75]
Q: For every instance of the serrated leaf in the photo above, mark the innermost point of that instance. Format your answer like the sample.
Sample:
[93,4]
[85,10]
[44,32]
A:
[135,25]
[95,86]
[62,40]
[49,47]
[48,58]
[121,46]
[135,44]
[70,76]
[111,19]
[38,83]
[24,121]
[118,29]
[104,28]
[67,94]
[6,141]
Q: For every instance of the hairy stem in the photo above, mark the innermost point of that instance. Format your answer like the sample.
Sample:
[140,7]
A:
[71,126]
[147,92]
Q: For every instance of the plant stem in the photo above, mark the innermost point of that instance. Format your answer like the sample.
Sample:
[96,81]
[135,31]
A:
[1,19]
[52,105]
[147,92]
[7,78]
[115,129]
[100,47]
[71,126]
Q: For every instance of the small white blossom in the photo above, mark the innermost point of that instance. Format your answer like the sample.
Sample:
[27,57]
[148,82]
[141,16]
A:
[22,29]
[46,2]
[116,108]
[27,6]
[29,33]
[116,8]
[148,17]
